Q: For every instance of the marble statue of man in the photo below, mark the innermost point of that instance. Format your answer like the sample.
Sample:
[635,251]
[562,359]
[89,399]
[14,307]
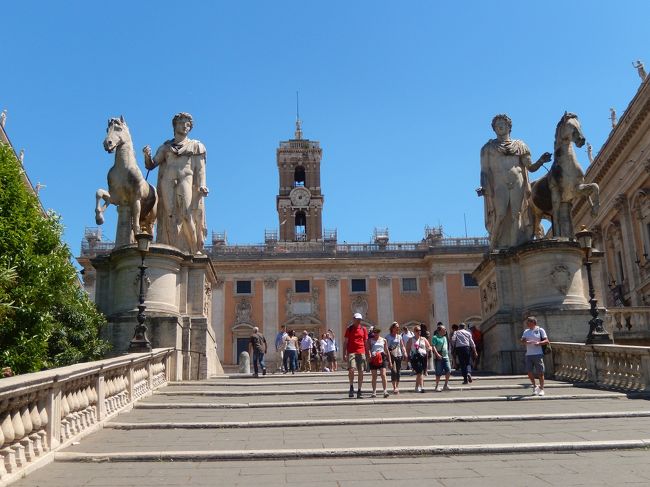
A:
[181,188]
[640,69]
[505,163]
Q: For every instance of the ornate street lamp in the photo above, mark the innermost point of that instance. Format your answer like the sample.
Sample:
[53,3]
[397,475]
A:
[597,333]
[140,343]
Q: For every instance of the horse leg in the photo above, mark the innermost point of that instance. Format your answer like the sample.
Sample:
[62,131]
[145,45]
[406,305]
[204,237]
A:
[135,215]
[101,194]
[556,202]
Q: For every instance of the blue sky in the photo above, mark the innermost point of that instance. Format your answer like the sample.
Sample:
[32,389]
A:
[400,95]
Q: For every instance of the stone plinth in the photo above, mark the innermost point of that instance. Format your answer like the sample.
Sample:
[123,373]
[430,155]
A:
[543,278]
[178,289]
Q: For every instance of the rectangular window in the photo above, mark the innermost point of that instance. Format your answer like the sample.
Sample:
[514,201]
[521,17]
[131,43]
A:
[243,287]
[358,285]
[409,285]
[468,280]
[302,285]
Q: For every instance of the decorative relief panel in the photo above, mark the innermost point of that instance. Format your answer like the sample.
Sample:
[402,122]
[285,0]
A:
[244,311]
[207,302]
[303,305]
[489,298]
[359,304]
[561,278]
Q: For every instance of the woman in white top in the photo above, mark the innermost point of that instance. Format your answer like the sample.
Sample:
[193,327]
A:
[379,360]
[291,352]
[418,347]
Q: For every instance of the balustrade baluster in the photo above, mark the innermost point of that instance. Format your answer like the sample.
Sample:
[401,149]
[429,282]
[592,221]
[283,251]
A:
[6,426]
[19,432]
[26,442]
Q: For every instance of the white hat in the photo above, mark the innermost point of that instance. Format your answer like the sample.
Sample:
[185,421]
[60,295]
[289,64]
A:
[358,316]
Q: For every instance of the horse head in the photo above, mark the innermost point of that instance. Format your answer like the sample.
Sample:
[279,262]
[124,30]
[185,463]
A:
[569,130]
[117,133]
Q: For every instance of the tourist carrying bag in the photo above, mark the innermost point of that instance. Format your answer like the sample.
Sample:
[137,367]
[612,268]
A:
[546,349]
[376,360]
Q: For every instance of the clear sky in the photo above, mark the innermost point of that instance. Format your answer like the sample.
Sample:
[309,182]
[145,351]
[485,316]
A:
[400,95]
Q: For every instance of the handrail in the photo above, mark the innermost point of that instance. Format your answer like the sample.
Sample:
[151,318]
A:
[621,367]
[43,412]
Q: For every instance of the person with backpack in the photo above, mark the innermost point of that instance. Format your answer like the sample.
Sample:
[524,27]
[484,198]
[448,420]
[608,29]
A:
[535,337]
[355,352]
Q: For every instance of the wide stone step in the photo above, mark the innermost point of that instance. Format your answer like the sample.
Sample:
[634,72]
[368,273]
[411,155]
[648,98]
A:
[389,436]
[383,409]
[290,423]
[609,467]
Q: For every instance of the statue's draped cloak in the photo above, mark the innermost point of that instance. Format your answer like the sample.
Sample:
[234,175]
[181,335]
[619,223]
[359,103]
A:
[492,148]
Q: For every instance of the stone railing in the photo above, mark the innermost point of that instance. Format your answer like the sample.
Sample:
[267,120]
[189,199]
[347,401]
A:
[619,367]
[628,320]
[45,411]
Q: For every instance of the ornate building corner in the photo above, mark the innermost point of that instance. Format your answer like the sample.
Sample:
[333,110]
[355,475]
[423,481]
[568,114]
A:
[219,282]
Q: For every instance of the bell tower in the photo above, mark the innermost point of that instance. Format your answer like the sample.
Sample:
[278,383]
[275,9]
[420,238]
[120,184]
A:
[299,201]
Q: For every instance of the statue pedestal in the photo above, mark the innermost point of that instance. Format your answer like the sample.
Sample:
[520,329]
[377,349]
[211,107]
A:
[542,278]
[178,290]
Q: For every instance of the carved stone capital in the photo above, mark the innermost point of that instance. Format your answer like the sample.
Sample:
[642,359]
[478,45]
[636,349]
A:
[384,280]
[620,202]
[436,276]
[332,281]
[218,284]
[270,282]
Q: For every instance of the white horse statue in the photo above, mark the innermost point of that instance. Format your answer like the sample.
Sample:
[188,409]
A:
[135,198]
[553,195]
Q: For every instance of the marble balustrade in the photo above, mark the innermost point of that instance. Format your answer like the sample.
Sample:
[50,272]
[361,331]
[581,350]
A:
[620,367]
[45,411]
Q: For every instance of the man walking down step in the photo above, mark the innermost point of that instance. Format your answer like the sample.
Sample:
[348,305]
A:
[534,337]
[464,348]
[355,352]
[257,348]
[280,346]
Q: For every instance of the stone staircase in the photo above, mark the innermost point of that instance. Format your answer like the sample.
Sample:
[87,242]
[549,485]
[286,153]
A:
[303,429]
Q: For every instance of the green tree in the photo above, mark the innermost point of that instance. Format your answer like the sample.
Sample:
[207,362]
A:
[46,319]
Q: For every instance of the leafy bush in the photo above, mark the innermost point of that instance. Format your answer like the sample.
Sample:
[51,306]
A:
[46,319]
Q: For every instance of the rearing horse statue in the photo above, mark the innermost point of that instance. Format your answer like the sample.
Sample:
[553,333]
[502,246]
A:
[127,189]
[553,195]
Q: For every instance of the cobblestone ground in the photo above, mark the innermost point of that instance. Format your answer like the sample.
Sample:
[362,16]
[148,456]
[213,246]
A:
[311,414]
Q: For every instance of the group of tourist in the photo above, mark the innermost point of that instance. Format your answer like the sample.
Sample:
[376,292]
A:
[366,349]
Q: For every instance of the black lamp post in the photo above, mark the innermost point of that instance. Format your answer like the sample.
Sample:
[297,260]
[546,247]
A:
[140,343]
[597,333]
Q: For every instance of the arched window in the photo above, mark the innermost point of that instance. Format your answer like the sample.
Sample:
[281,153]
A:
[299,176]
[301,226]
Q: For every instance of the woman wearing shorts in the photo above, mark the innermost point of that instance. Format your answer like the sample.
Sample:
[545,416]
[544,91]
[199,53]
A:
[441,357]
[418,350]
[378,347]
[397,352]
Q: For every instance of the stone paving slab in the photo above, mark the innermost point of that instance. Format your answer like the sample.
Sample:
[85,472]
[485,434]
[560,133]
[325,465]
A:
[427,434]
[607,468]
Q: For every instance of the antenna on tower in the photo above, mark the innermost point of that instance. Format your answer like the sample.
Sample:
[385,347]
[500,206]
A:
[298,122]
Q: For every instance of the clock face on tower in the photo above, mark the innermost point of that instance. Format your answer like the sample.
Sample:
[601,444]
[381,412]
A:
[300,196]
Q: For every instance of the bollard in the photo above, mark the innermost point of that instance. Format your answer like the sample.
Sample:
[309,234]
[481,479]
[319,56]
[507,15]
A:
[244,363]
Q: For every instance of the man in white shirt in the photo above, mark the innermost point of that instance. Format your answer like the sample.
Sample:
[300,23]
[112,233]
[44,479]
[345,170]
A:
[406,336]
[306,342]
[465,348]
[534,337]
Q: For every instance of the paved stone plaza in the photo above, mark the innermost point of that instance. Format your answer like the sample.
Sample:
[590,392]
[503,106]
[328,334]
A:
[303,429]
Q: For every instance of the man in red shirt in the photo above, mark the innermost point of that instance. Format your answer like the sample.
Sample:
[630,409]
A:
[355,351]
